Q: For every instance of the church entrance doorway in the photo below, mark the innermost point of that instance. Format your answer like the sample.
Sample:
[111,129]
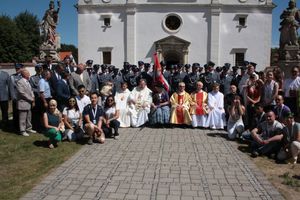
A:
[172,58]
[172,50]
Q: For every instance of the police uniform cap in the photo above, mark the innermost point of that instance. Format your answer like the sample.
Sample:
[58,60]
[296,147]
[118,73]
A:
[243,67]
[235,67]
[19,65]
[196,65]
[140,63]
[103,66]
[253,64]
[210,63]
[227,65]
[245,63]
[89,62]
[96,66]
[134,68]
[205,66]
[147,65]
[162,63]
[187,66]
[218,69]
[38,66]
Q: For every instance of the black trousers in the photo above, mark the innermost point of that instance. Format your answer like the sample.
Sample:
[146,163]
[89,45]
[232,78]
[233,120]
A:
[114,124]
[15,116]
[4,111]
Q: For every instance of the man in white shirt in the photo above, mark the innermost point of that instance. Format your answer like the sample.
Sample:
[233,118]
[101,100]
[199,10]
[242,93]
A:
[82,99]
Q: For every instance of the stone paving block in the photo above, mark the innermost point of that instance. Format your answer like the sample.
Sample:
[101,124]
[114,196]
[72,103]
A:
[161,164]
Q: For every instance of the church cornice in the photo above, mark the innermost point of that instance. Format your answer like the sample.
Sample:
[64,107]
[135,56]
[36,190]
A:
[168,5]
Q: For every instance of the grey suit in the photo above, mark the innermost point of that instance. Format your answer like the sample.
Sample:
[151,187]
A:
[4,95]
[25,97]
[75,81]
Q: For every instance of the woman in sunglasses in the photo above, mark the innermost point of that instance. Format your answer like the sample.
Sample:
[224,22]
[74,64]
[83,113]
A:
[111,116]
[73,120]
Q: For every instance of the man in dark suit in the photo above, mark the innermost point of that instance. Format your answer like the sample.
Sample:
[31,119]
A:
[25,99]
[55,77]
[68,67]
[4,97]
[63,92]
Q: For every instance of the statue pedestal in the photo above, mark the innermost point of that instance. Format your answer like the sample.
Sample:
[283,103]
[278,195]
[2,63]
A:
[289,57]
[50,50]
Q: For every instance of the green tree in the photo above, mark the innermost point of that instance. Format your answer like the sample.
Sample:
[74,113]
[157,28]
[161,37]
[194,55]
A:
[28,25]
[72,48]
[19,38]
[10,43]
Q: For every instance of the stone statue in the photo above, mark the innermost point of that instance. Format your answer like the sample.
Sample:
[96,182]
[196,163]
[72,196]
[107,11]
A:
[49,23]
[289,25]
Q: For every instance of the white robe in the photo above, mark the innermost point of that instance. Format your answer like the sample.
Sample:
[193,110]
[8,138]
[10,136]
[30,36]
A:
[216,116]
[140,110]
[121,99]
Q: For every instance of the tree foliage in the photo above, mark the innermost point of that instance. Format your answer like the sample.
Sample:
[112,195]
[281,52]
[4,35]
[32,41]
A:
[19,38]
[72,48]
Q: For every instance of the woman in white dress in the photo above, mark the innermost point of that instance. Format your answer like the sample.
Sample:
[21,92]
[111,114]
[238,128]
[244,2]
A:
[121,99]
[216,116]
[235,124]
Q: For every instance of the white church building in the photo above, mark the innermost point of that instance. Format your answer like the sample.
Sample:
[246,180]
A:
[180,31]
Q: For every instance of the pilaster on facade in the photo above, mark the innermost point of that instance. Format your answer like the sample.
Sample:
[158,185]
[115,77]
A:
[130,49]
[215,33]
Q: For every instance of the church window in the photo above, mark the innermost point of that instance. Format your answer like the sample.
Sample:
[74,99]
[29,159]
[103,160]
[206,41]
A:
[172,23]
[107,21]
[106,57]
[239,59]
[242,21]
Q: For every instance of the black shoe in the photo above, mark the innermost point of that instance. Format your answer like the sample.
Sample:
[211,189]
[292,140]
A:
[254,154]
[90,141]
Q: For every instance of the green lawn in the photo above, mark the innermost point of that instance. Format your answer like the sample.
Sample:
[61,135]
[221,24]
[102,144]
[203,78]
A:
[24,161]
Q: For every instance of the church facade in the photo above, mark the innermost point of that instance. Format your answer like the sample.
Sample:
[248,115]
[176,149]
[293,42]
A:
[180,31]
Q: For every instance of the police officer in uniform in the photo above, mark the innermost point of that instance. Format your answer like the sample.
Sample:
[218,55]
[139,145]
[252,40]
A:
[94,79]
[13,93]
[104,76]
[186,71]
[175,78]
[207,77]
[125,72]
[34,82]
[236,77]
[191,79]
[145,75]
[132,81]
[89,68]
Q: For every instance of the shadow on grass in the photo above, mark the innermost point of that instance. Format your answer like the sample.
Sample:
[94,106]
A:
[41,143]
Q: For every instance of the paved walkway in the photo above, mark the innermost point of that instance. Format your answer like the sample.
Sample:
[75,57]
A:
[168,164]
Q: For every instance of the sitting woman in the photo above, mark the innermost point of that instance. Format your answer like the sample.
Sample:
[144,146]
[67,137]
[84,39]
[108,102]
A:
[199,106]
[235,124]
[73,120]
[160,110]
[53,124]
[111,116]
[121,99]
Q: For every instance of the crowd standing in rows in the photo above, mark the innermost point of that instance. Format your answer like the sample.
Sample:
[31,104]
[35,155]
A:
[93,101]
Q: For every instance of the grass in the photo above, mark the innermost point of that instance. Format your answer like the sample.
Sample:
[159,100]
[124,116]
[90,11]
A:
[285,177]
[24,161]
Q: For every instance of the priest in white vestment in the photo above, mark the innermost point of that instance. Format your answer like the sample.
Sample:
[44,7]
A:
[216,116]
[140,101]
[122,100]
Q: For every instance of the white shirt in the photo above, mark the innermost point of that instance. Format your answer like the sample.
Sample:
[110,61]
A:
[291,84]
[72,115]
[82,102]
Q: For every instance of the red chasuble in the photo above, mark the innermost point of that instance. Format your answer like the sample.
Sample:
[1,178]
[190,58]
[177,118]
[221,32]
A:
[199,101]
[179,111]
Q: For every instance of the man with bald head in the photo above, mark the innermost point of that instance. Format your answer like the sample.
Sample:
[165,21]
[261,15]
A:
[267,136]
[25,100]
[80,77]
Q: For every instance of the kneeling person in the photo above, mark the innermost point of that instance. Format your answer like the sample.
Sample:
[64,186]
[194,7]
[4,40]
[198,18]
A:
[93,118]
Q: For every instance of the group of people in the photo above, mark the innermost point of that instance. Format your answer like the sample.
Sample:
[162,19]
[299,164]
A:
[93,101]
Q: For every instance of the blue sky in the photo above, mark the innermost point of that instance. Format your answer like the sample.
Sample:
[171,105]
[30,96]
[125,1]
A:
[67,27]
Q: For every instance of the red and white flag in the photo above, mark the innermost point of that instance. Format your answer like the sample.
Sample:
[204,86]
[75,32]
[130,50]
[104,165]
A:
[158,76]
